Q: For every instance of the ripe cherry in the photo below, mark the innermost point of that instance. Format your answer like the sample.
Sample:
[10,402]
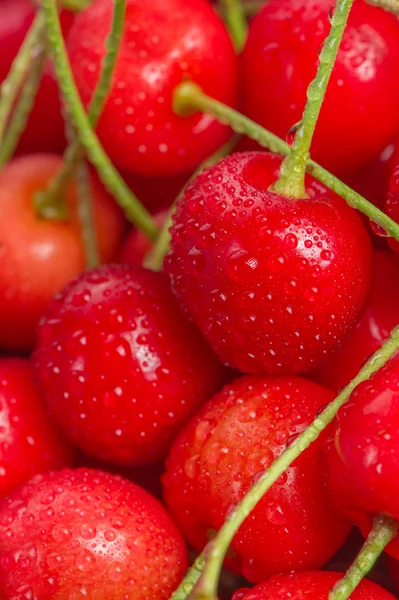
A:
[137,244]
[392,202]
[313,585]
[273,283]
[45,128]
[232,440]
[120,368]
[29,442]
[380,316]
[87,534]
[362,455]
[360,104]
[165,41]
[38,257]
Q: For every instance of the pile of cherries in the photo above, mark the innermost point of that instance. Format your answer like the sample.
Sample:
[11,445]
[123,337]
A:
[138,406]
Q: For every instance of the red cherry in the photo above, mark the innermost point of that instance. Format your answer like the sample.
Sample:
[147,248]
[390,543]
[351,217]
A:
[392,202]
[280,60]
[165,41]
[45,128]
[363,458]
[233,438]
[38,257]
[120,368]
[137,244]
[88,534]
[273,283]
[313,585]
[29,442]
[379,318]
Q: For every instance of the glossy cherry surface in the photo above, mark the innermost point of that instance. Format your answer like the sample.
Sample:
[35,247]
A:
[231,441]
[273,283]
[379,317]
[87,534]
[164,42]
[392,201]
[363,457]
[37,256]
[30,442]
[281,57]
[119,366]
[309,586]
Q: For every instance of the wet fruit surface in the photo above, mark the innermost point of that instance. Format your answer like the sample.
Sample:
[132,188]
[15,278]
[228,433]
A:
[273,283]
[87,534]
[232,440]
[163,44]
[119,366]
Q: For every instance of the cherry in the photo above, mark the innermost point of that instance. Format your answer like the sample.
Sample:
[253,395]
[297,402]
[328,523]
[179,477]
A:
[232,440]
[165,41]
[380,316]
[273,283]
[280,60]
[392,201]
[313,585]
[137,244]
[363,453]
[29,442]
[87,533]
[120,368]
[38,257]
[45,128]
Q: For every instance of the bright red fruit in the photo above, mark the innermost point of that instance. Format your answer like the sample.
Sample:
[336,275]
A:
[120,368]
[360,104]
[87,534]
[137,244]
[380,316]
[45,128]
[313,586]
[38,257]
[232,440]
[392,202]
[165,42]
[273,283]
[29,442]
[363,456]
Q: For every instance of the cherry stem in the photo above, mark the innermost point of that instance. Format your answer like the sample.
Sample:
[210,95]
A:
[250,7]
[23,107]
[53,197]
[383,532]
[214,553]
[75,5]
[85,214]
[291,182]
[388,5]
[155,256]
[134,211]
[12,84]
[189,98]
[234,15]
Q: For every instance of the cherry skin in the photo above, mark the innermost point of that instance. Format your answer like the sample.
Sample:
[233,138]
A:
[273,283]
[44,131]
[156,193]
[120,368]
[165,42]
[392,201]
[233,439]
[380,316]
[38,257]
[360,107]
[362,455]
[86,533]
[29,442]
[137,244]
[312,585]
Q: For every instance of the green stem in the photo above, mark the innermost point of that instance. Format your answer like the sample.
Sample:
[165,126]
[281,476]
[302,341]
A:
[214,553]
[85,213]
[75,5]
[23,108]
[189,98]
[293,168]
[49,199]
[234,15]
[155,257]
[388,5]
[383,532]
[134,211]
[12,84]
